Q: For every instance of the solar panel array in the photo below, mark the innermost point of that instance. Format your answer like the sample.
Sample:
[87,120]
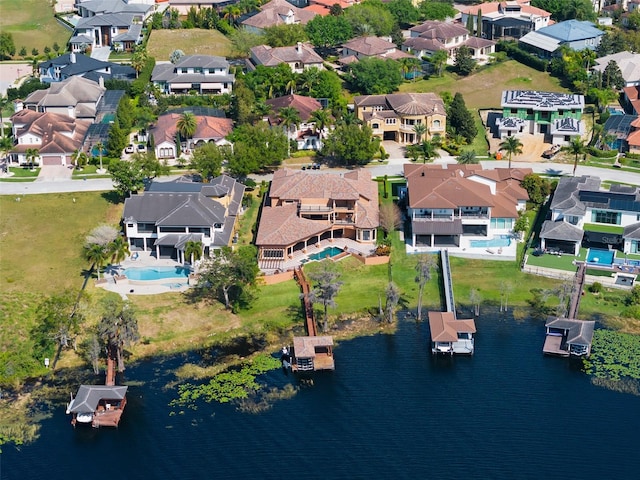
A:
[611,201]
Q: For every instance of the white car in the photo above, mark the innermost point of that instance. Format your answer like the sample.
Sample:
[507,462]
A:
[129,148]
[142,148]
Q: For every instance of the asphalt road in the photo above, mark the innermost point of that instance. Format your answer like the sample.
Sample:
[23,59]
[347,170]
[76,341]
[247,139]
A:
[394,167]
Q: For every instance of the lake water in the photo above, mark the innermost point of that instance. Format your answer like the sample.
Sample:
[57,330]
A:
[390,410]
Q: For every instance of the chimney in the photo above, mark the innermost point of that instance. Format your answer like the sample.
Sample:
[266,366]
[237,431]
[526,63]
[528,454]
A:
[101,81]
[17,106]
[299,47]
[72,57]
[70,112]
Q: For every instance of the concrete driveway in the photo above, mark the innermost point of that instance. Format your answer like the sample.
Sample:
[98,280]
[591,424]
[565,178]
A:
[101,53]
[54,173]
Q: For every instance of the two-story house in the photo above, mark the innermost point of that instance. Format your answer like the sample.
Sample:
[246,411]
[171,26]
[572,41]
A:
[204,74]
[433,36]
[628,63]
[299,58]
[211,127]
[574,34]
[303,209]
[394,116]
[463,208]
[277,12]
[367,47]
[555,115]
[584,214]
[169,214]
[305,134]
[79,65]
[511,19]
[75,97]
[54,136]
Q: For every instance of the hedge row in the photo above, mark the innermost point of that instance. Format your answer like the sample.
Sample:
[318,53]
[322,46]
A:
[602,153]
[522,56]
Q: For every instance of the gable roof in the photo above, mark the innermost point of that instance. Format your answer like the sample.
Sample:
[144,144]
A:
[579,332]
[207,127]
[304,106]
[445,327]
[560,230]
[59,134]
[274,12]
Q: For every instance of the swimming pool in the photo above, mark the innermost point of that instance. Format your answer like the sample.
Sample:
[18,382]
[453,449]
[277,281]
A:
[497,241]
[600,257]
[156,273]
[326,253]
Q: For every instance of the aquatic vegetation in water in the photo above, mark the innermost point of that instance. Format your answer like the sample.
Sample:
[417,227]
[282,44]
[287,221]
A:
[227,386]
[614,356]
[622,386]
[262,402]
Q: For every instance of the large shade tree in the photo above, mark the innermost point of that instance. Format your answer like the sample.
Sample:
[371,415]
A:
[117,328]
[326,285]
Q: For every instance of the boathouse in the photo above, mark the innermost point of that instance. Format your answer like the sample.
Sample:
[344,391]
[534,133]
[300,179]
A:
[99,405]
[568,337]
[450,335]
[312,353]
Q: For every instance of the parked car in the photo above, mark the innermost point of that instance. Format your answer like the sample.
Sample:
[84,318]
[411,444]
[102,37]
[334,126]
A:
[129,148]
[142,148]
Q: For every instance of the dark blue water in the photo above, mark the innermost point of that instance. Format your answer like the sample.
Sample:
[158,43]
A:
[390,410]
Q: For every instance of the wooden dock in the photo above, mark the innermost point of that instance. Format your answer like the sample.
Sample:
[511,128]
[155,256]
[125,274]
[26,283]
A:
[313,352]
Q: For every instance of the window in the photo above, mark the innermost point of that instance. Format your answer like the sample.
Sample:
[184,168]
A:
[129,225]
[366,235]
[436,124]
[375,125]
[603,216]
[390,121]
[634,246]
[514,110]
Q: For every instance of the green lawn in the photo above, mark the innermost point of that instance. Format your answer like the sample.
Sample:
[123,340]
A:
[191,41]
[484,89]
[593,227]
[32,24]
[564,262]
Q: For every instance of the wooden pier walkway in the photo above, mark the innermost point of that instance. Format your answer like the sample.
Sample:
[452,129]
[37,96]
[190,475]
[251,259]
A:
[576,290]
[448,283]
[312,352]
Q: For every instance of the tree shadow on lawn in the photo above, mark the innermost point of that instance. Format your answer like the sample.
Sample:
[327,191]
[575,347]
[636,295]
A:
[112,197]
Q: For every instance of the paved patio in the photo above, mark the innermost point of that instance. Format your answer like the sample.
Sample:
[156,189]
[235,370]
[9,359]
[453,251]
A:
[507,253]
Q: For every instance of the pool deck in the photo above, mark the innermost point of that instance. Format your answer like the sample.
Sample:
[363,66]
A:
[507,253]
[123,287]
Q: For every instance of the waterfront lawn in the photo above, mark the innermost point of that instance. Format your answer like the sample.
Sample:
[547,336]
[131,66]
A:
[600,228]
[563,262]
[192,41]
[32,24]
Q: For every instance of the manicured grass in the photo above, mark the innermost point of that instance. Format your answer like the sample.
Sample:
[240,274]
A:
[484,89]
[248,219]
[479,145]
[191,41]
[19,172]
[563,262]
[593,227]
[32,24]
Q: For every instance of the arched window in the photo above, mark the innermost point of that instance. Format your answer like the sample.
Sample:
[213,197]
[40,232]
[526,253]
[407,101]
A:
[436,124]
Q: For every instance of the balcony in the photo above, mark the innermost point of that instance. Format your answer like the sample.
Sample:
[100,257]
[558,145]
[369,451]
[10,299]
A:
[314,209]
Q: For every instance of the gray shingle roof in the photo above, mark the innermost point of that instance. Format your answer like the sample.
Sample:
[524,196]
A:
[88,397]
[560,230]
[579,332]
[566,197]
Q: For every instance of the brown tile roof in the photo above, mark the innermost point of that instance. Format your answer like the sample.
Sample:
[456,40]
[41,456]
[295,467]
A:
[369,46]
[475,42]
[274,12]
[210,128]
[272,57]
[405,103]
[60,134]
[491,7]
[280,224]
[304,106]
[444,326]
[439,30]
[318,10]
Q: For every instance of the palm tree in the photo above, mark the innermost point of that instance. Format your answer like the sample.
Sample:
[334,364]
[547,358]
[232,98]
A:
[96,255]
[100,147]
[321,119]
[419,129]
[428,151]
[118,249]
[187,125]
[467,157]
[32,154]
[79,158]
[193,251]
[576,147]
[6,144]
[138,60]
[231,13]
[511,145]
[4,101]
[438,60]
[289,117]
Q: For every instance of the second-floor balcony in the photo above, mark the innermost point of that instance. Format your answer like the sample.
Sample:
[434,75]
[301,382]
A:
[314,208]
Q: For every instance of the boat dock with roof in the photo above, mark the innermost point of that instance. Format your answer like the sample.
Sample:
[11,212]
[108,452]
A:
[448,334]
[312,352]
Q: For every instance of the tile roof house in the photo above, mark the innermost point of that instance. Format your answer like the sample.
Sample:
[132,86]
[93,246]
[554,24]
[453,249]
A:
[433,36]
[629,64]
[580,208]
[110,23]
[368,47]
[625,130]
[575,34]
[305,133]
[302,209]
[299,58]
[555,115]
[632,99]
[210,128]
[55,136]
[568,336]
[76,97]
[506,19]
[206,74]
[277,12]
[170,214]
[457,206]
[393,117]
[79,65]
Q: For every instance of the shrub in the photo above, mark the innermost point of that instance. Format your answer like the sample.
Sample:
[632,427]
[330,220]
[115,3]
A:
[596,287]
[383,250]
[602,153]
[522,56]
